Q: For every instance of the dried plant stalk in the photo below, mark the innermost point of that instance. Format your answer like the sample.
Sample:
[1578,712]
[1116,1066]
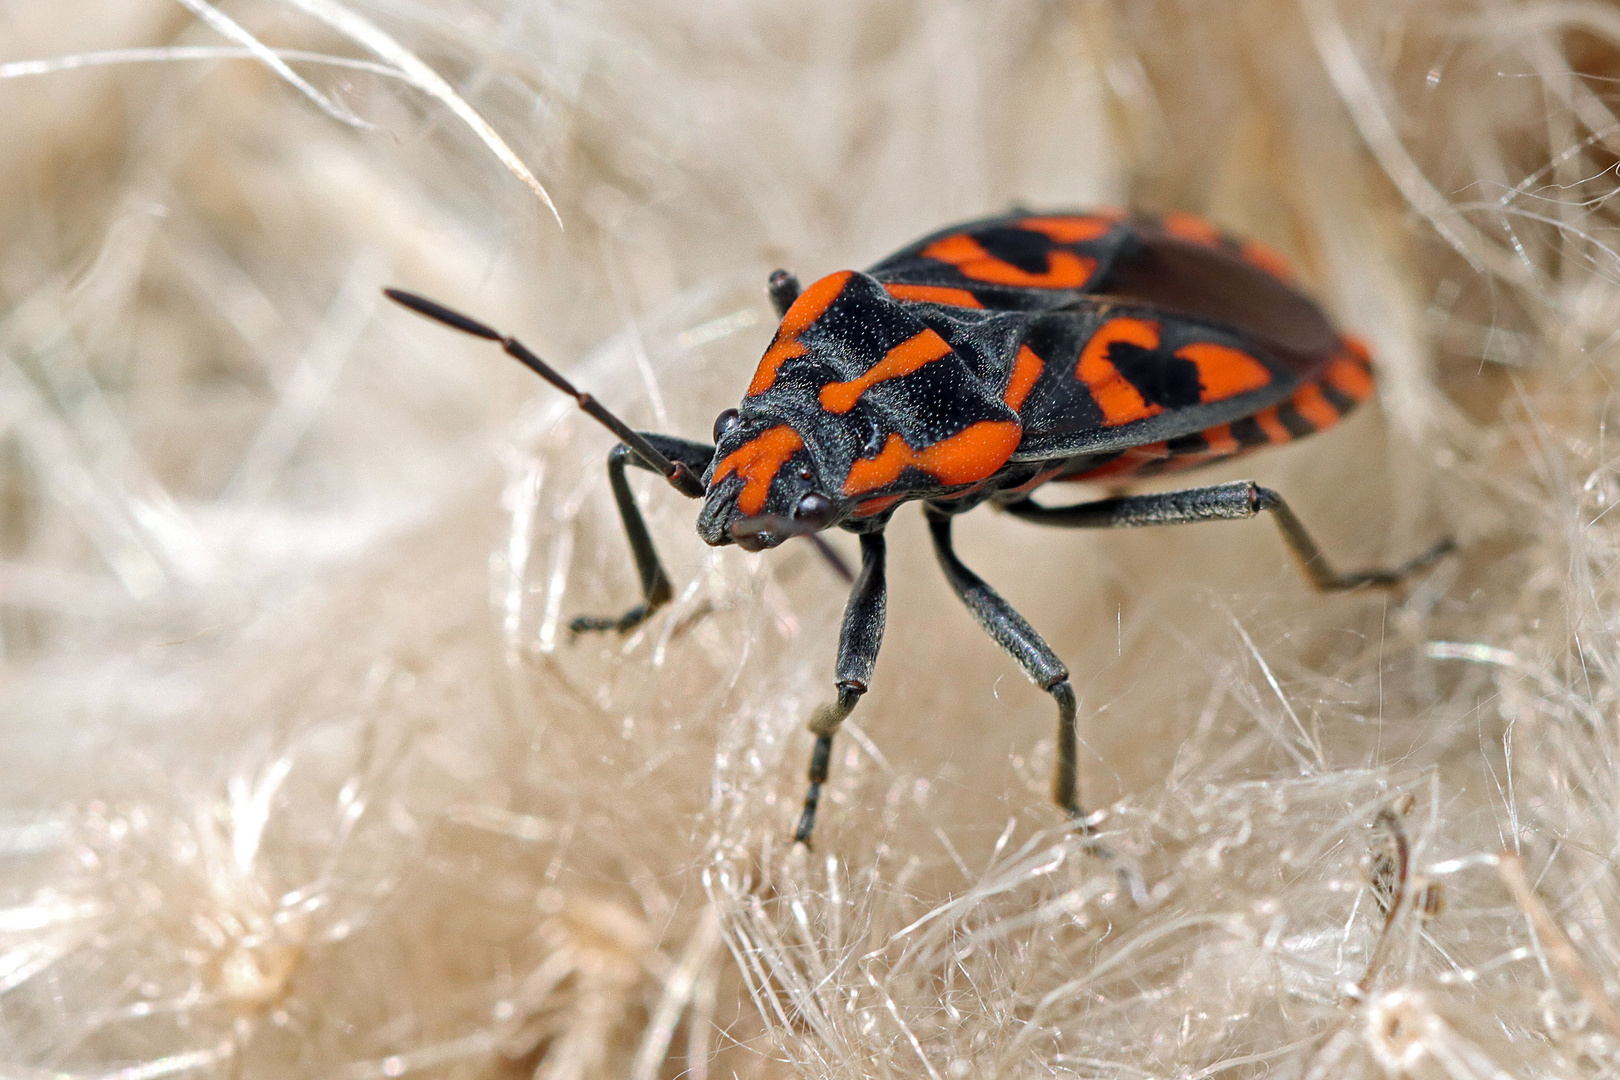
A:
[306,777]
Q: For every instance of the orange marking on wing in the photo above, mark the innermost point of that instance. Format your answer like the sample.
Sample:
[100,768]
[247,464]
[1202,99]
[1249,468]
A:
[1188,227]
[758,461]
[966,457]
[1064,269]
[1271,424]
[1310,403]
[1268,259]
[1349,378]
[1026,369]
[810,306]
[1068,230]
[1220,439]
[1119,400]
[903,359]
[875,506]
[934,294]
[1224,372]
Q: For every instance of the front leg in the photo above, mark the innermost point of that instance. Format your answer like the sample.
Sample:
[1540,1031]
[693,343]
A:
[858,645]
[656,590]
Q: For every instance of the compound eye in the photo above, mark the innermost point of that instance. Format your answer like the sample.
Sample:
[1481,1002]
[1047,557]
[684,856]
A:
[815,510]
[724,423]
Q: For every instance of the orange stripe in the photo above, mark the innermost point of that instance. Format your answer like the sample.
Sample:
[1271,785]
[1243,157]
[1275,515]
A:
[934,294]
[1131,460]
[964,493]
[758,461]
[872,507]
[1268,259]
[1064,269]
[1272,425]
[1068,230]
[810,306]
[1188,227]
[965,458]
[1224,372]
[1026,369]
[1119,400]
[869,474]
[903,359]
[1221,442]
[1040,478]
[1349,378]
[1309,403]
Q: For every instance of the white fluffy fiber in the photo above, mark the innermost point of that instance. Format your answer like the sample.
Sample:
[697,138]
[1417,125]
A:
[300,774]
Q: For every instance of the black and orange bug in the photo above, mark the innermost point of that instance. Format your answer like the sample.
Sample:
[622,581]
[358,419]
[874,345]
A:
[976,365]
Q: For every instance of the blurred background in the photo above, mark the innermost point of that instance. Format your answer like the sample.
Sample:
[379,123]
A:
[301,774]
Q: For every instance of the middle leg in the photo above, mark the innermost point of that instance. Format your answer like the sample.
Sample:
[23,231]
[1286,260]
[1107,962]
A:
[1009,629]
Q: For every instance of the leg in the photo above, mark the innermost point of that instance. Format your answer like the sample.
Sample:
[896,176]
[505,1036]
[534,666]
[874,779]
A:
[857,655]
[1035,656]
[655,587]
[1240,499]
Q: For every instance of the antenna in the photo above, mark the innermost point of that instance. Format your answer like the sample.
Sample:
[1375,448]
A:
[681,478]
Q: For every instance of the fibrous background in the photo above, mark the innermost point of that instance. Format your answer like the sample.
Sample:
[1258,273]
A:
[301,773]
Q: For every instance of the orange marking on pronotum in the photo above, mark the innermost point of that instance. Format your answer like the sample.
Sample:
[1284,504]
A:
[1349,378]
[1224,372]
[1026,369]
[758,461]
[965,458]
[1068,230]
[1310,403]
[1119,400]
[903,359]
[1272,426]
[809,307]
[1268,259]
[1195,229]
[934,294]
[1064,269]
[869,474]
[972,453]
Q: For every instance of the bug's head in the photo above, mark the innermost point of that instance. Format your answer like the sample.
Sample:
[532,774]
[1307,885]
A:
[764,488]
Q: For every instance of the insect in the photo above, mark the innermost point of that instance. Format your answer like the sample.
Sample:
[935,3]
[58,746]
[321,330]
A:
[975,366]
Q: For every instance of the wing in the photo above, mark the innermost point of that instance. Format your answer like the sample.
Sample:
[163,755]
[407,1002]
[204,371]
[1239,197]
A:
[1115,376]
[1177,262]
[1148,328]
[1021,262]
